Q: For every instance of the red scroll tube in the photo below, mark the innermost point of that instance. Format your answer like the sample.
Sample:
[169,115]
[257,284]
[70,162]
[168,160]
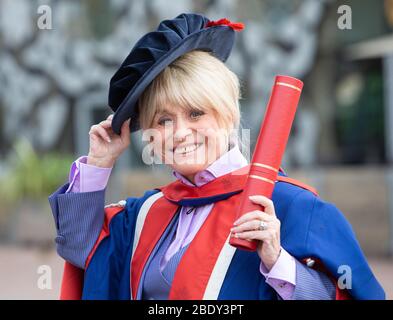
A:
[269,148]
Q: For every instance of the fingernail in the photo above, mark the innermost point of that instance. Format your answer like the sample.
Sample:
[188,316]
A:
[109,140]
[236,222]
[251,197]
[236,235]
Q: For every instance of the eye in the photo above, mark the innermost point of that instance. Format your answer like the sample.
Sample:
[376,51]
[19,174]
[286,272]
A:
[196,113]
[163,121]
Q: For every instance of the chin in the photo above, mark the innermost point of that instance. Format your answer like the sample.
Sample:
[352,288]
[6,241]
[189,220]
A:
[188,169]
[189,165]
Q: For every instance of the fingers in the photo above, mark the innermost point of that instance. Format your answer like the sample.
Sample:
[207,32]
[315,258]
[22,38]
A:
[264,202]
[125,130]
[250,225]
[250,222]
[264,235]
[252,215]
[104,130]
[100,131]
[106,123]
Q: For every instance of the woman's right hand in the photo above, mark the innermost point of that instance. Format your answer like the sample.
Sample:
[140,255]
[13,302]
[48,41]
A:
[105,145]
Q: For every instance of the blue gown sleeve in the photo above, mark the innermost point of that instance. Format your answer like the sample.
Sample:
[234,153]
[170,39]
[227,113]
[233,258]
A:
[319,230]
[78,218]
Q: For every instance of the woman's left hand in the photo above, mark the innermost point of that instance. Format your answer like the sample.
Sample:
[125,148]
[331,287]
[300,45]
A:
[248,227]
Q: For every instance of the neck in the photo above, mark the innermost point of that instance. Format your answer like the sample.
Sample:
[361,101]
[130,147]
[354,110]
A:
[191,177]
[228,161]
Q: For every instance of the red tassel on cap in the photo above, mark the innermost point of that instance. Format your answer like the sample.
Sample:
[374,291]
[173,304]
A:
[237,26]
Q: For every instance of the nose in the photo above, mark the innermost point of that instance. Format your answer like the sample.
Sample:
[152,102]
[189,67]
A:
[182,130]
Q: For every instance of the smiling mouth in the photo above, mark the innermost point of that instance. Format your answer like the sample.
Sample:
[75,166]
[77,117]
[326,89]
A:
[187,149]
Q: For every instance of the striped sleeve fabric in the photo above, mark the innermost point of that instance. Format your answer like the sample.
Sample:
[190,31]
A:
[78,218]
[312,284]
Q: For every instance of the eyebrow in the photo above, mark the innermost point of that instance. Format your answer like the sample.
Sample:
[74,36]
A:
[164,112]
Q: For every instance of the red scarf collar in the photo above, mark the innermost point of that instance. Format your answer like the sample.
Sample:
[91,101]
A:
[220,188]
[196,266]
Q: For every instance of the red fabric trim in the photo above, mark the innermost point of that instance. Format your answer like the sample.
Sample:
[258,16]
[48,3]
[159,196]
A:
[71,283]
[197,263]
[228,183]
[237,26]
[298,183]
[72,280]
[157,220]
[109,214]
[191,276]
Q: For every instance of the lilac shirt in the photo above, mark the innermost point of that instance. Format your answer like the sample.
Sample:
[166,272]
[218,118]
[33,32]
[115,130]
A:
[282,276]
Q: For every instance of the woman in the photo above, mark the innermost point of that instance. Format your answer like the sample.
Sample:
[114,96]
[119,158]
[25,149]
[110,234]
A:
[173,241]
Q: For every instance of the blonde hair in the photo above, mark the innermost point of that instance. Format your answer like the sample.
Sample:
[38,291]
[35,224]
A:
[196,80]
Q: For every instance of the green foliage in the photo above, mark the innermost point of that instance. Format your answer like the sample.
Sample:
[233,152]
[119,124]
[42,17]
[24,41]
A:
[31,176]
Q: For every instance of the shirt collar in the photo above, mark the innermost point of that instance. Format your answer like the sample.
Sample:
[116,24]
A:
[231,160]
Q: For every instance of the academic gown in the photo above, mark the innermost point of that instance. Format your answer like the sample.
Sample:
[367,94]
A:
[311,230]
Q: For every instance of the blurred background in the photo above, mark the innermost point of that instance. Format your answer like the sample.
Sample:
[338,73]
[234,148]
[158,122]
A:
[56,60]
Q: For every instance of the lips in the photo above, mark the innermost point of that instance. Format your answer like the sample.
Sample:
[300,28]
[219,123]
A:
[186,148]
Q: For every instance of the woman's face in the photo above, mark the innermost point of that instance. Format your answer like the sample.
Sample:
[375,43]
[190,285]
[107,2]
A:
[188,141]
